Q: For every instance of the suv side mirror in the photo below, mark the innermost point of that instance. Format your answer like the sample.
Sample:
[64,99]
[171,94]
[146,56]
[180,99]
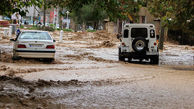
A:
[12,40]
[157,37]
[54,40]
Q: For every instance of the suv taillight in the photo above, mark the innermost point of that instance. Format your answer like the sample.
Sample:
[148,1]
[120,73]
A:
[123,44]
[50,46]
[21,46]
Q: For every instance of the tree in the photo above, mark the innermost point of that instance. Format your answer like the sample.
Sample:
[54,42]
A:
[90,13]
[183,15]
[8,7]
[114,8]
[173,14]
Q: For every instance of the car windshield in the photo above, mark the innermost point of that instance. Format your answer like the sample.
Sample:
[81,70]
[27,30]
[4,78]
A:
[35,35]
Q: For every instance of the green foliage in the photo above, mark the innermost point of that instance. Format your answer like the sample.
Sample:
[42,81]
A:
[52,26]
[175,14]
[88,14]
[91,30]
[68,30]
[112,8]
[8,7]
[22,26]
[34,28]
[47,28]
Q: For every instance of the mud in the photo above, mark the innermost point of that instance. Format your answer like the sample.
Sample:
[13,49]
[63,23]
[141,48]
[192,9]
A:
[23,94]
[104,44]
[7,57]
[86,73]
[98,59]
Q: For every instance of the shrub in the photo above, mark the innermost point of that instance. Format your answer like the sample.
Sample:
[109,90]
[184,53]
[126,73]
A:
[88,30]
[68,30]
[22,26]
[47,28]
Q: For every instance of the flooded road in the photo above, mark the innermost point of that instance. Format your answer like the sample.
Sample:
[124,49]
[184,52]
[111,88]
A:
[87,74]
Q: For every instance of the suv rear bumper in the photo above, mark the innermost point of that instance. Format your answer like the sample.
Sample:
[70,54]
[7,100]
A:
[138,55]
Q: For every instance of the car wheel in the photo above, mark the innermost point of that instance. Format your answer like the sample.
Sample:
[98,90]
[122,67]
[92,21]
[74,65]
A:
[14,57]
[155,60]
[139,44]
[121,58]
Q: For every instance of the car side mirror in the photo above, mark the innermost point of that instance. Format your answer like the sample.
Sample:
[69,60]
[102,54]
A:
[157,37]
[54,40]
[12,40]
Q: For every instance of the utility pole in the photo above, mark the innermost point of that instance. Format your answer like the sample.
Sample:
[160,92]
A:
[67,20]
[33,14]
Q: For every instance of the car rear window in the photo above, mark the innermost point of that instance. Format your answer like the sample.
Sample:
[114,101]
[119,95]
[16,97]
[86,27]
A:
[35,35]
[139,32]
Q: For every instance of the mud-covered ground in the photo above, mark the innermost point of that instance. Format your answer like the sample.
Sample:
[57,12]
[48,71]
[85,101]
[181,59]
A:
[87,74]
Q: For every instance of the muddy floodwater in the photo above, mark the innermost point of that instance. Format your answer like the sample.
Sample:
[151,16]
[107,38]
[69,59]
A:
[86,73]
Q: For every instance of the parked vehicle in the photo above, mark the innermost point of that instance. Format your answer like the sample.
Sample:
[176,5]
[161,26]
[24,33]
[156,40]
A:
[4,23]
[34,44]
[139,41]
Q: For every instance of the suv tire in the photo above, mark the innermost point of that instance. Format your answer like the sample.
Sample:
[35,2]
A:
[155,59]
[121,58]
[139,44]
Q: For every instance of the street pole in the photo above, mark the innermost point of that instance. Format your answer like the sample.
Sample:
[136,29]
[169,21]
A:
[67,20]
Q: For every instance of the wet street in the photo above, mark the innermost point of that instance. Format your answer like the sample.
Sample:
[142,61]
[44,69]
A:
[87,74]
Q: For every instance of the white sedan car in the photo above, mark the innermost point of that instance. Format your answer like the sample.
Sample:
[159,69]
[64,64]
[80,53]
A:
[34,44]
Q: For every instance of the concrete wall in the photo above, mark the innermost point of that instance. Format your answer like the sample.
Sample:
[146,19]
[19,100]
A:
[111,27]
[148,17]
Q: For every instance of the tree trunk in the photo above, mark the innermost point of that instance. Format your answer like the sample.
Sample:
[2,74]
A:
[44,17]
[166,34]
[60,18]
[95,26]
[83,27]
[161,40]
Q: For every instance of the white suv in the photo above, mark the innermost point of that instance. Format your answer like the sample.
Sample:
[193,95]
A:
[139,41]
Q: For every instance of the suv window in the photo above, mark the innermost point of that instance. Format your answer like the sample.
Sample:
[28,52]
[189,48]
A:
[139,32]
[126,33]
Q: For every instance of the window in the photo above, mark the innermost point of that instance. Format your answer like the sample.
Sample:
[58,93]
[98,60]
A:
[139,32]
[152,33]
[126,33]
[35,35]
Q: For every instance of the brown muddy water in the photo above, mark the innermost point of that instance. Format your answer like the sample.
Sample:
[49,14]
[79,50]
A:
[87,74]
